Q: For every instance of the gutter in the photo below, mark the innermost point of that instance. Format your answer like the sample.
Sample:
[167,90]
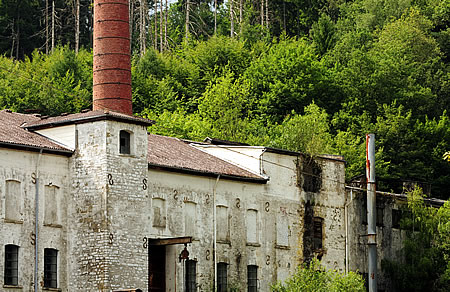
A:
[36,223]
[67,153]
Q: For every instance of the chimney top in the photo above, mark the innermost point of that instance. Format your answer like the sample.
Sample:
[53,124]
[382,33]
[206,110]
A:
[112,61]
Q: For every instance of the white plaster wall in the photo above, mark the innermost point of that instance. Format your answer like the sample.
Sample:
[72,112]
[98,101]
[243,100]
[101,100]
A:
[52,169]
[64,135]
[246,157]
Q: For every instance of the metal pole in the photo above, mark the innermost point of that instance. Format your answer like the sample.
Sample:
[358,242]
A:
[36,224]
[371,211]
[214,233]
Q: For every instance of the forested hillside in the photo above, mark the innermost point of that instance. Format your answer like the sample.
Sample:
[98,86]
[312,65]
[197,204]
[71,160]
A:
[312,76]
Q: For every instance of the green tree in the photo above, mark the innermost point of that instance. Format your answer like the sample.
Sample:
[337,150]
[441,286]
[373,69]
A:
[308,133]
[313,277]
[426,249]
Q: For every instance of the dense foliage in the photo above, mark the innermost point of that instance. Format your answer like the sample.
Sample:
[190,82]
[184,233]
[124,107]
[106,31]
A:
[426,249]
[315,77]
[313,277]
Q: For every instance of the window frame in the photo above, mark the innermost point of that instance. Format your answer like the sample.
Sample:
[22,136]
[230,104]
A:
[252,278]
[11,269]
[222,277]
[50,268]
[126,147]
[190,276]
[318,235]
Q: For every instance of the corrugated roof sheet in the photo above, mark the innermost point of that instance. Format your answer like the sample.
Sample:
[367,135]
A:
[177,154]
[11,132]
[85,117]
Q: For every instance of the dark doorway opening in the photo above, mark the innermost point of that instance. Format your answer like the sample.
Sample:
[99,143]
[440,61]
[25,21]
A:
[157,268]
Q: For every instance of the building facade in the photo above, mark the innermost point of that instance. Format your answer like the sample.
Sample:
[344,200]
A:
[116,207]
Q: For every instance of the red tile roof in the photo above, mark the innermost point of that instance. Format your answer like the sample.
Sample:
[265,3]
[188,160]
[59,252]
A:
[13,135]
[163,152]
[178,155]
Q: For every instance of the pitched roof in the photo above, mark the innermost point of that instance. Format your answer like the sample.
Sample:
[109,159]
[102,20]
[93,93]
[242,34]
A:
[85,117]
[179,155]
[12,135]
[163,152]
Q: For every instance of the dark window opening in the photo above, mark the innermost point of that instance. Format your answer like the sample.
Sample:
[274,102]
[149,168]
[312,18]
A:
[125,142]
[311,174]
[379,211]
[252,278]
[11,271]
[318,226]
[222,277]
[191,276]
[402,219]
[396,217]
[50,268]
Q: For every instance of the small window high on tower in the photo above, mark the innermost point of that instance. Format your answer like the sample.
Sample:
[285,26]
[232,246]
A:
[125,142]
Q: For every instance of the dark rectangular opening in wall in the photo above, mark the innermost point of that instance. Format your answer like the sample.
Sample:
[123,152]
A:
[191,276]
[318,227]
[311,175]
[252,278]
[379,210]
[124,142]
[11,272]
[157,268]
[222,277]
[50,268]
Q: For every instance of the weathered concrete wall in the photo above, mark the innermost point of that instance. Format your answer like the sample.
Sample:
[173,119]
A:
[107,216]
[278,226]
[20,166]
[112,204]
[389,239]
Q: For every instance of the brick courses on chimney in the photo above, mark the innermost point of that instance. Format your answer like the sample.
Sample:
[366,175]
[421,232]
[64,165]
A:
[112,67]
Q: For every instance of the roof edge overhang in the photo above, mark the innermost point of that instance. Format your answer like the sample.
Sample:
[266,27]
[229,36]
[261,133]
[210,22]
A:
[208,174]
[82,120]
[31,148]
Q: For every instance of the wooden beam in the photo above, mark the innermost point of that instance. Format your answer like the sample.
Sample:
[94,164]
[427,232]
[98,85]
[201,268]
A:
[170,241]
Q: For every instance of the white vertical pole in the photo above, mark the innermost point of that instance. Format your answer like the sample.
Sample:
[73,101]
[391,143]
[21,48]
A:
[371,211]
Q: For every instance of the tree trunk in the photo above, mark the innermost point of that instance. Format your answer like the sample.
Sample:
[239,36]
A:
[130,23]
[156,25]
[231,19]
[53,25]
[166,44]
[215,17]
[267,14]
[161,46]
[142,35]
[77,26]
[46,26]
[262,13]
[241,4]
[187,19]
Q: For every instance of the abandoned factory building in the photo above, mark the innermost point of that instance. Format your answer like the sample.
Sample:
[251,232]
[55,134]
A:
[92,202]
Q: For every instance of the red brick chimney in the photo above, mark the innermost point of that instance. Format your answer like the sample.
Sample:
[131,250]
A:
[112,67]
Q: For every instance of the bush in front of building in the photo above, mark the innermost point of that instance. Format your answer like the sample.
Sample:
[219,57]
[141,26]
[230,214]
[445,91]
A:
[314,277]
